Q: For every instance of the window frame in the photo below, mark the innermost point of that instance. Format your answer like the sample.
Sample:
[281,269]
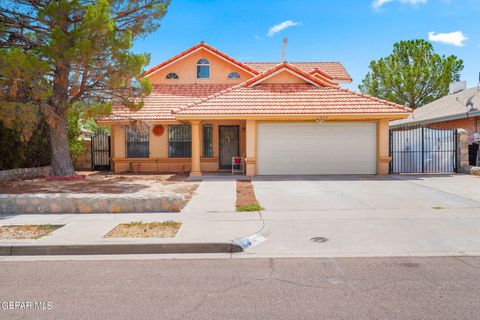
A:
[173,74]
[203,62]
[207,145]
[182,138]
[140,139]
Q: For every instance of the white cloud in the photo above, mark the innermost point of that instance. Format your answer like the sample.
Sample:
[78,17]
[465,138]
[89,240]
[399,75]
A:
[279,27]
[456,38]
[377,4]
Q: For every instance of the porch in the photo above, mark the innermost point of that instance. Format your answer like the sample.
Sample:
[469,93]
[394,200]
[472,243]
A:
[207,146]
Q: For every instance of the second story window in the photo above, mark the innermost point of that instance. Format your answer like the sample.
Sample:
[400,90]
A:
[172,76]
[203,69]
[233,75]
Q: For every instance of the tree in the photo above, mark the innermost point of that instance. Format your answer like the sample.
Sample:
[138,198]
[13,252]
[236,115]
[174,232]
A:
[16,152]
[56,55]
[412,75]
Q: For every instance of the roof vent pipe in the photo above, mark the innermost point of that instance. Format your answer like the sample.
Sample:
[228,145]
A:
[284,46]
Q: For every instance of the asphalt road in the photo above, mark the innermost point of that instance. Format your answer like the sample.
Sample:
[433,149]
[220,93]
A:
[340,288]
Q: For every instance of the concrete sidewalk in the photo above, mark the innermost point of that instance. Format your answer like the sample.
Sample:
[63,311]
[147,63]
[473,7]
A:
[349,233]
[89,229]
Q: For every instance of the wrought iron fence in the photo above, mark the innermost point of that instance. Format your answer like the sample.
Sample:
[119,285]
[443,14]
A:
[423,150]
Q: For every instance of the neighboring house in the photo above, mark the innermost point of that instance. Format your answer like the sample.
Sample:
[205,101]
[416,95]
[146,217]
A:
[284,118]
[449,112]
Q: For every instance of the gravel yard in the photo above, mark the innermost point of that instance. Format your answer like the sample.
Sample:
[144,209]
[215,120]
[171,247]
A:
[106,183]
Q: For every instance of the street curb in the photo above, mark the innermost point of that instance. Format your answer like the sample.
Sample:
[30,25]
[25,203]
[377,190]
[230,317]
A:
[138,248]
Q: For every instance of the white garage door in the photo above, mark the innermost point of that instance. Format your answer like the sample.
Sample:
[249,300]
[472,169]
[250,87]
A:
[316,148]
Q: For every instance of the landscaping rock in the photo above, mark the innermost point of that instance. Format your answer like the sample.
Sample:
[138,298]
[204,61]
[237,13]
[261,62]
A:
[24,173]
[89,203]
[475,171]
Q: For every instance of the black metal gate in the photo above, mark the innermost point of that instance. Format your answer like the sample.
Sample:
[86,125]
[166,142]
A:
[423,150]
[101,152]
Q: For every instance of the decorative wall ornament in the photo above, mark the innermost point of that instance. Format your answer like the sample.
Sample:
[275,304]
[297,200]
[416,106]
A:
[158,130]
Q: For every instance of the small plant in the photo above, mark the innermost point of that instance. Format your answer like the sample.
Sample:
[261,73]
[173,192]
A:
[134,223]
[250,207]
[438,207]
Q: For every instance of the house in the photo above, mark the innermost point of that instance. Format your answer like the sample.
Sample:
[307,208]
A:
[449,112]
[283,118]
[460,110]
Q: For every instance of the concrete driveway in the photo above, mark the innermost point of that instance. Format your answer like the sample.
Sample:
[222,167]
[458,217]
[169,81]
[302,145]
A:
[367,192]
[369,215]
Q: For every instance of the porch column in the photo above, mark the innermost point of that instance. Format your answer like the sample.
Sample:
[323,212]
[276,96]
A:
[195,172]
[383,148]
[251,147]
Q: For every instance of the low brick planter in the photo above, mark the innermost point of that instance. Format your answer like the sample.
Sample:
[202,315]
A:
[89,203]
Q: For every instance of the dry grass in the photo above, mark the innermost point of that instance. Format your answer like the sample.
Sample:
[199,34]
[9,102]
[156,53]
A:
[167,229]
[246,200]
[28,231]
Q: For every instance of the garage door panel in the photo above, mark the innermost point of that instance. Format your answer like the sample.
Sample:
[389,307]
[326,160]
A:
[316,148]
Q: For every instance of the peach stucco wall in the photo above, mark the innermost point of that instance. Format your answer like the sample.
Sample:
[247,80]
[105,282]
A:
[158,147]
[186,69]
[383,152]
[284,77]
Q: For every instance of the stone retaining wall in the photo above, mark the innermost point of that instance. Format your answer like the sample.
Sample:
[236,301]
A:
[463,164]
[25,173]
[89,203]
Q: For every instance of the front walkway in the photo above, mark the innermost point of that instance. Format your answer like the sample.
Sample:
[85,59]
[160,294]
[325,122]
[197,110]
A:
[216,193]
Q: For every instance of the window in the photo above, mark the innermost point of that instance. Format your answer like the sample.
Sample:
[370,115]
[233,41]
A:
[179,141]
[233,75]
[172,76]
[203,69]
[137,143]
[208,140]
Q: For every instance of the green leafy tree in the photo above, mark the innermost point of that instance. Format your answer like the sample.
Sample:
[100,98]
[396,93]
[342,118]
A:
[56,55]
[75,146]
[412,75]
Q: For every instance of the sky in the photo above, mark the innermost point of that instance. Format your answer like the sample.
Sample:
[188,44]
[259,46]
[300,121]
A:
[353,32]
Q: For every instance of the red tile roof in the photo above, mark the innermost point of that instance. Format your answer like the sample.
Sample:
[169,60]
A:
[164,99]
[321,96]
[291,99]
[335,69]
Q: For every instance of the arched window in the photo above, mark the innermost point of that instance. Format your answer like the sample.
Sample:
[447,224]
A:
[172,75]
[233,75]
[203,69]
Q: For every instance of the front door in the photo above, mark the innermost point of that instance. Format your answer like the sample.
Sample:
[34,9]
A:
[229,145]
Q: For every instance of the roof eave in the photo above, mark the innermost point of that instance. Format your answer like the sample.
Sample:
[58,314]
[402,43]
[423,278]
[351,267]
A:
[451,117]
